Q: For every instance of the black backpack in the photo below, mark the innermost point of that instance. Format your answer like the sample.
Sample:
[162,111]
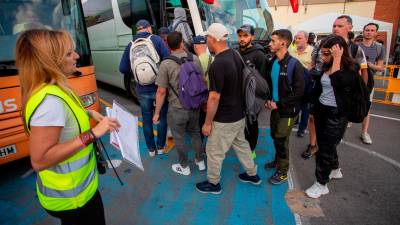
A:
[359,100]
[255,90]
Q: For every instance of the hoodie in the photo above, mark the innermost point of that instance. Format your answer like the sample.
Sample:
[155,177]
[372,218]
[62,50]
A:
[180,24]
[256,56]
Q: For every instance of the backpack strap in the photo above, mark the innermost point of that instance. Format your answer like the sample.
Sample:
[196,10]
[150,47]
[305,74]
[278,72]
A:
[208,65]
[290,69]
[179,61]
[354,50]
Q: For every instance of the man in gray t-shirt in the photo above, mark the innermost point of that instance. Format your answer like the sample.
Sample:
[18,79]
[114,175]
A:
[180,120]
[375,54]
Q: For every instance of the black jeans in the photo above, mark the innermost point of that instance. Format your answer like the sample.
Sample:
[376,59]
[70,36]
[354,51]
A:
[91,213]
[330,127]
[251,133]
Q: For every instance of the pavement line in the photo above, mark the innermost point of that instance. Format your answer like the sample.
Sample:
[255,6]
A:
[385,158]
[297,217]
[385,117]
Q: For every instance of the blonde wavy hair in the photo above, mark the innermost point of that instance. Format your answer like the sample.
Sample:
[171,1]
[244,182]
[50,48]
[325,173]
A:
[39,57]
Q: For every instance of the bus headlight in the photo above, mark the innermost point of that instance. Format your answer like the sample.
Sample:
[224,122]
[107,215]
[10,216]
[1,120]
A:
[88,100]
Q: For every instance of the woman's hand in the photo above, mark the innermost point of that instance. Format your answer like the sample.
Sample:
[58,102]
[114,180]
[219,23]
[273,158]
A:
[337,51]
[95,115]
[105,125]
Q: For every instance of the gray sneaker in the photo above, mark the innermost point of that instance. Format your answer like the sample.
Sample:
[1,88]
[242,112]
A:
[366,138]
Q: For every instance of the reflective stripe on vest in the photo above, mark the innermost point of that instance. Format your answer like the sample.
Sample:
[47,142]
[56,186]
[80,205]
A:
[71,183]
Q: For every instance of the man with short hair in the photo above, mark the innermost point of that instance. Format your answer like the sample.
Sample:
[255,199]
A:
[147,93]
[200,48]
[253,55]
[375,55]
[180,119]
[225,121]
[302,52]
[284,102]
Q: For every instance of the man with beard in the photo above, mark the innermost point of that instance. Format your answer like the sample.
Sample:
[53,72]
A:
[253,55]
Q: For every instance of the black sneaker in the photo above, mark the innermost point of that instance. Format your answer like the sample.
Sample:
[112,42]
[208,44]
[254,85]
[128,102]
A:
[271,165]
[300,133]
[278,178]
[309,152]
[244,177]
[207,187]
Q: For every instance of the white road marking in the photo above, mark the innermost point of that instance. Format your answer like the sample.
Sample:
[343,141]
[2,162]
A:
[297,218]
[385,158]
[385,117]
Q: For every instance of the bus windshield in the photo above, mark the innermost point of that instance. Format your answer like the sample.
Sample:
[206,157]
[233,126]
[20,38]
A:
[19,16]
[235,13]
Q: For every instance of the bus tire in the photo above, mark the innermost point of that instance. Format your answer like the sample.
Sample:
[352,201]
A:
[130,84]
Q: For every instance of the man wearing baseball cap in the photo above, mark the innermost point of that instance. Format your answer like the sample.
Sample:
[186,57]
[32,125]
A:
[147,93]
[225,123]
[253,55]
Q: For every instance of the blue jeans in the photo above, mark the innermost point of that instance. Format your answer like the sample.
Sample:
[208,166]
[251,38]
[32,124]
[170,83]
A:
[305,111]
[147,102]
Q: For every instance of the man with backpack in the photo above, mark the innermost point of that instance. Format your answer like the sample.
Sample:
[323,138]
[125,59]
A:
[375,55]
[181,25]
[253,55]
[225,121]
[287,88]
[140,61]
[302,52]
[180,76]
[200,48]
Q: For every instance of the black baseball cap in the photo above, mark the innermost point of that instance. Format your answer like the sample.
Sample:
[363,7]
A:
[246,28]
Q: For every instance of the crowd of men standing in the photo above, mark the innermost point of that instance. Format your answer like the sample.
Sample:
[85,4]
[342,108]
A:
[331,63]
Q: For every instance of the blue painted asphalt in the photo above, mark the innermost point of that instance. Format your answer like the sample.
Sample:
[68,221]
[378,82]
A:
[159,196]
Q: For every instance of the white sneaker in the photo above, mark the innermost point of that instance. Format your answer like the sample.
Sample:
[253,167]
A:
[316,190]
[160,151]
[201,165]
[152,153]
[366,138]
[336,174]
[177,168]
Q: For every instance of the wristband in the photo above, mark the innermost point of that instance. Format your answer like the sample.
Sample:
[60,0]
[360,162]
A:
[91,132]
[87,138]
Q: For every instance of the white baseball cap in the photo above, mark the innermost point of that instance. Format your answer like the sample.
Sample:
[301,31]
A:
[217,31]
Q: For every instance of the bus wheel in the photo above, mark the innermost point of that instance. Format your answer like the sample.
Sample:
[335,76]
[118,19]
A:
[130,85]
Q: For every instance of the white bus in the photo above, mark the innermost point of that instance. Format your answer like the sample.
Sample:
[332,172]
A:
[111,25]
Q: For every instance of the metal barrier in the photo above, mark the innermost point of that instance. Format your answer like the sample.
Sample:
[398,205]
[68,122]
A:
[390,87]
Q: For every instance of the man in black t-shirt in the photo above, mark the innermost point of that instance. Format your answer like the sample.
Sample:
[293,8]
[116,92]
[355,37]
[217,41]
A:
[225,122]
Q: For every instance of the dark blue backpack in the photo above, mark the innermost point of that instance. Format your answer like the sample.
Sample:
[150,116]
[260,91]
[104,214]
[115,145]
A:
[308,82]
[193,91]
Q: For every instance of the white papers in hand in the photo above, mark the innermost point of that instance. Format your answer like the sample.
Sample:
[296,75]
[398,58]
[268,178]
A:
[113,134]
[127,135]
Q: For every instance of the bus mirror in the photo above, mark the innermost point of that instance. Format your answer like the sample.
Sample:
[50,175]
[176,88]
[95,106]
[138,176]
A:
[66,7]
[209,1]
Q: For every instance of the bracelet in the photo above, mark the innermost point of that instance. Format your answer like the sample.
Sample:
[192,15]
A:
[87,138]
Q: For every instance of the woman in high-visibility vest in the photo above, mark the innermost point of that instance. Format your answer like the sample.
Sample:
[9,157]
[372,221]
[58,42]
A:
[60,137]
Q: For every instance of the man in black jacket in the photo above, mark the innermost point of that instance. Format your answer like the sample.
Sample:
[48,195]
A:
[253,55]
[284,102]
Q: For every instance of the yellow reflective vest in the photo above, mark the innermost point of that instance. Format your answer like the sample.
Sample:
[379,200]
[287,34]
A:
[73,182]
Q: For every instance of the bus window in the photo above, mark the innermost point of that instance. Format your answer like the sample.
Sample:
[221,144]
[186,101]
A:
[97,11]
[140,10]
[234,13]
